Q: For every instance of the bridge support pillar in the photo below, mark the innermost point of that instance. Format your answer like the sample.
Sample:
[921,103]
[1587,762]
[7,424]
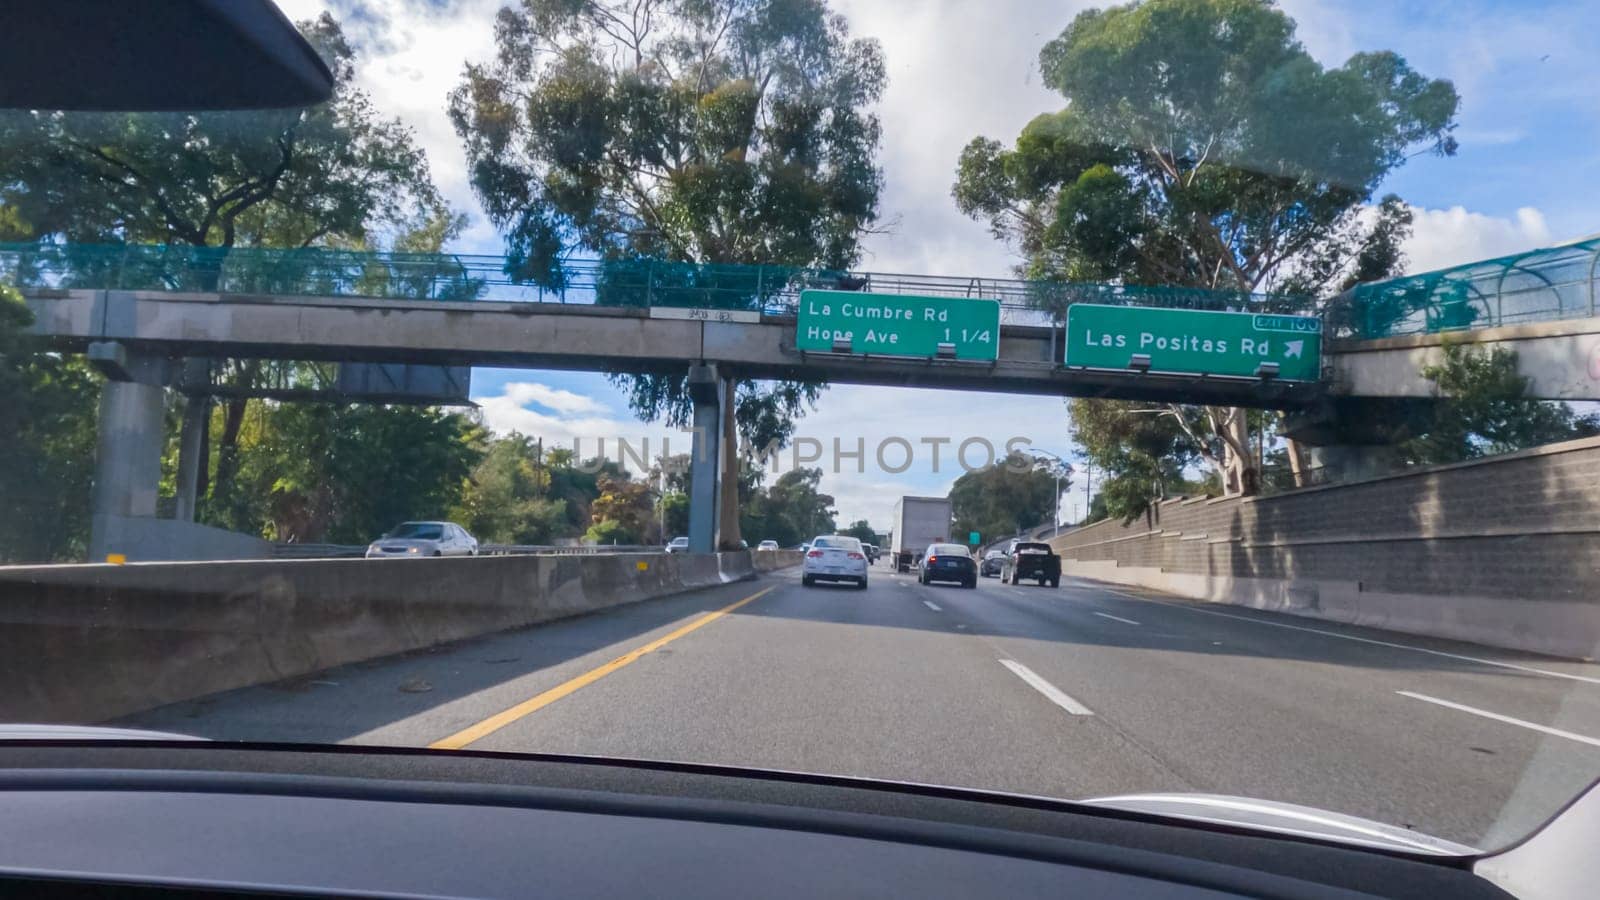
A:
[132,432]
[191,440]
[1351,438]
[196,416]
[704,470]
[1353,462]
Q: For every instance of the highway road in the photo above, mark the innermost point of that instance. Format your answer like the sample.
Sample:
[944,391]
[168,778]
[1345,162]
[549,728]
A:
[1086,690]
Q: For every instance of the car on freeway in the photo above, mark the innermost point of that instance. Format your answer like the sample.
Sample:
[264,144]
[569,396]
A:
[872,552]
[678,545]
[834,557]
[767,545]
[992,563]
[948,562]
[1033,560]
[412,540]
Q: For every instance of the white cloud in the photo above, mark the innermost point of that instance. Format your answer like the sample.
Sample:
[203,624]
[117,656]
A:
[957,70]
[578,422]
[562,401]
[1441,238]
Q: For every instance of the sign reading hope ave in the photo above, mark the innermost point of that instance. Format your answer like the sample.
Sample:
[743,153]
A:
[1194,342]
[898,325]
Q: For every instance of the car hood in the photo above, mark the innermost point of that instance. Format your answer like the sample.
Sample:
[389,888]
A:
[1284,818]
[26,732]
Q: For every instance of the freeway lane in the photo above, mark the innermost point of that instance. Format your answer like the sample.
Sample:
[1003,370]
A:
[1085,690]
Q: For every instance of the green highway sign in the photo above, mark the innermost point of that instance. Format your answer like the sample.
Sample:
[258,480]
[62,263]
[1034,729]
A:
[972,537]
[1194,342]
[898,324]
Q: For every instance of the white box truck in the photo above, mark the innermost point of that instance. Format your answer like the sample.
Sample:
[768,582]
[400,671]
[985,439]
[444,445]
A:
[918,522]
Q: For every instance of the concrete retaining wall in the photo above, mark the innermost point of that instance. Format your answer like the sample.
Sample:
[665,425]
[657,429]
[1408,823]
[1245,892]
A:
[89,643]
[1502,551]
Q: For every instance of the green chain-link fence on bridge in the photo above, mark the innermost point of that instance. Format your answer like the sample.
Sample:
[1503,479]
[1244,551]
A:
[1553,283]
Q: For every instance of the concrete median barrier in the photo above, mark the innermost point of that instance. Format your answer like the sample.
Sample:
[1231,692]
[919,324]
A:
[89,643]
[773,560]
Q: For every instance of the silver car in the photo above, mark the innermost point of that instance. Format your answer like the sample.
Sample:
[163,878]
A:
[410,540]
[834,557]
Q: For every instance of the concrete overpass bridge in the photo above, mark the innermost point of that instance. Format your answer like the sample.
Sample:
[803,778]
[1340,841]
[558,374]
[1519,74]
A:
[141,312]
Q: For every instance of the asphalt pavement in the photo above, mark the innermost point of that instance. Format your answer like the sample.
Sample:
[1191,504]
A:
[1080,691]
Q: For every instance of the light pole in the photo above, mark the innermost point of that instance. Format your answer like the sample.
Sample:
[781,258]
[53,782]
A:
[1088,489]
[1062,467]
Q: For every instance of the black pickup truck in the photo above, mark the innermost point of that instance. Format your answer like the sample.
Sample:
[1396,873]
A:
[1033,560]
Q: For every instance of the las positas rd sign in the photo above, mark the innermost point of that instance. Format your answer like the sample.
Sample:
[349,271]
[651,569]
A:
[898,324]
[1194,342]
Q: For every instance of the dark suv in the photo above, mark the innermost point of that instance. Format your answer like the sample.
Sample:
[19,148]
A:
[948,562]
[1033,560]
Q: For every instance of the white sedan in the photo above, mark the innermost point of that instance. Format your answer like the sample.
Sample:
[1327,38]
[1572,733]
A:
[834,557]
[410,540]
[767,545]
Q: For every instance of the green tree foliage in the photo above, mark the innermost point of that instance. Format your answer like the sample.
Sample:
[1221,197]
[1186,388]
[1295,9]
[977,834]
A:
[675,513]
[1483,409]
[345,473]
[696,131]
[792,510]
[1202,146]
[507,498]
[862,531]
[577,482]
[335,175]
[622,513]
[1014,493]
[283,178]
[671,475]
[48,404]
[707,131]
[1143,452]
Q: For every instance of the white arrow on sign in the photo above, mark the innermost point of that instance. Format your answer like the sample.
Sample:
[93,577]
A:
[1292,348]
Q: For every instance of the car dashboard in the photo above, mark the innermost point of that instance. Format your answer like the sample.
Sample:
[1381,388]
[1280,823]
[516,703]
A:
[82,817]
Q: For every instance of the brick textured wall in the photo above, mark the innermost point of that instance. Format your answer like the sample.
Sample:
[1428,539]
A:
[1524,525]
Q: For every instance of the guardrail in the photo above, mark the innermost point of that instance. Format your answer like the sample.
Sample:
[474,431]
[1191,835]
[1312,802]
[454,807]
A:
[554,550]
[348,551]
[317,551]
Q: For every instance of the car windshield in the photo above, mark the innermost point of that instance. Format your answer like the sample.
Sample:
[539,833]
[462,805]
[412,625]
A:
[1260,341]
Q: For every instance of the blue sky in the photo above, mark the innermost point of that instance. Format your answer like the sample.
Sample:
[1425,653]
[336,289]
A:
[1527,175]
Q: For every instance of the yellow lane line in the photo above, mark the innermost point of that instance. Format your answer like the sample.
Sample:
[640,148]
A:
[533,704]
